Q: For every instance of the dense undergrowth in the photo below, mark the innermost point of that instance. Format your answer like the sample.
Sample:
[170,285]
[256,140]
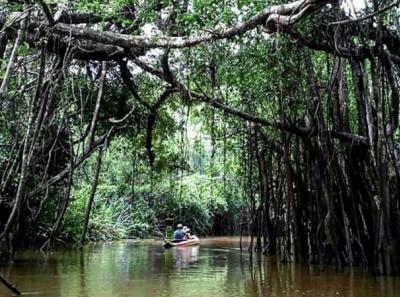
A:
[133,199]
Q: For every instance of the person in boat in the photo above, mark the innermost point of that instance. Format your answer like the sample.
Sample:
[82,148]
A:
[189,234]
[185,228]
[179,234]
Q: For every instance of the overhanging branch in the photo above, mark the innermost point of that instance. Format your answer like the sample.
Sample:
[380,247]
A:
[274,13]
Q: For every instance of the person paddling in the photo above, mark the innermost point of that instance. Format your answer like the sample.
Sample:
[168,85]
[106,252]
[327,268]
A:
[179,234]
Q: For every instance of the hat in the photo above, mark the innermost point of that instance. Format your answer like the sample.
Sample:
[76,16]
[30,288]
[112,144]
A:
[185,228]
[179,226]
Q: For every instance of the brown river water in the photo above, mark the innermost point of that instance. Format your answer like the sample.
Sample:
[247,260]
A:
[215,268]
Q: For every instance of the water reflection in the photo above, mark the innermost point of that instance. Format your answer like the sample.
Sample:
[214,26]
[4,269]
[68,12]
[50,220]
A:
[183,257]
[216,268]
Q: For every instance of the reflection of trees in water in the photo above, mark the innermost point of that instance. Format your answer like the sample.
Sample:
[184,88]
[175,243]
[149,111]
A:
[270,277]
[31,264]
[125,269]
[82,273]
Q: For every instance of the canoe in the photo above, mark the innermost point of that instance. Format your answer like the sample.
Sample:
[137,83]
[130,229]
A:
[172,243]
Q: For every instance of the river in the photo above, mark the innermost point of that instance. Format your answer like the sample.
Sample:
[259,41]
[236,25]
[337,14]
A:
[215,268]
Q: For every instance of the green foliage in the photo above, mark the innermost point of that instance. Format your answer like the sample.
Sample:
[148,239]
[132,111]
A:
[132,198]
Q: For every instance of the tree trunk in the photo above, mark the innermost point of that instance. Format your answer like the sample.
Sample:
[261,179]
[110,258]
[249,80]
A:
[91,197]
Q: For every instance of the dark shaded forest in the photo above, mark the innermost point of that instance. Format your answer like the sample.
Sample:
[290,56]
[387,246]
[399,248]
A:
[278,121]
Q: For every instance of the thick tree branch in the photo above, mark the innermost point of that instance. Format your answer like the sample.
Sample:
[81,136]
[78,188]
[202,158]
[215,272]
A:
[277,13]
[79,18]
[190,95]
[46,12]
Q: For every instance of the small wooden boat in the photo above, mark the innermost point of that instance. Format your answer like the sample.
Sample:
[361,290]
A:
[188,242]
